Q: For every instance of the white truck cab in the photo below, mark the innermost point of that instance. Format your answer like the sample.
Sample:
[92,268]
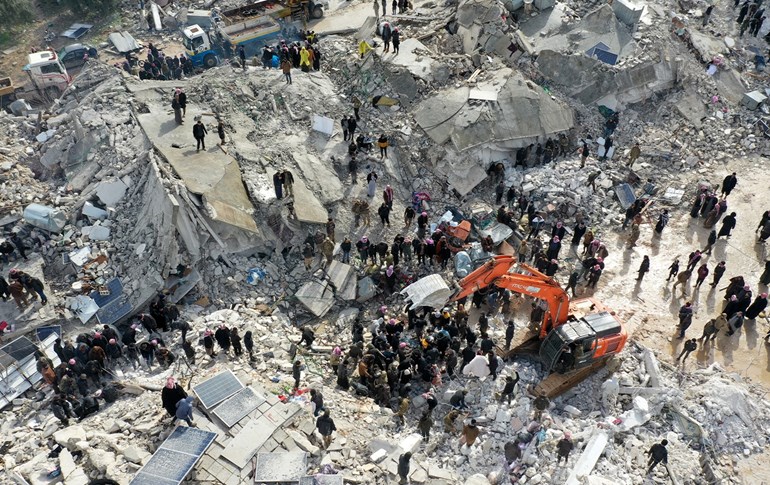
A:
[47,72]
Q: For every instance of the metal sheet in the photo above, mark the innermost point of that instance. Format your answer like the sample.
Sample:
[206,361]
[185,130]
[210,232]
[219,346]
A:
[77,31]
[625,195]
[238,406]
[175,458]
[124,42]
[218,388]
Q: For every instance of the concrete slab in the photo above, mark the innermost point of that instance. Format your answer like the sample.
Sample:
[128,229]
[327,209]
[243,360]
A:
[321,480]
[110,193]
[411,56]
[281,467]
[307,206]
[209,173]
[246,443]
[317,297]
[341,275]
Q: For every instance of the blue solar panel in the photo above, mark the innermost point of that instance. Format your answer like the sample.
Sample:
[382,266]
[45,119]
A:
[215,390]
[606,56]
[116,289]
[192,441]
[601,45]
[114,310]
[175,458]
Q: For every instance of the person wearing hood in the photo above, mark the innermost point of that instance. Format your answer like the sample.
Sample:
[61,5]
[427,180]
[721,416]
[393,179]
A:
[171,394]
[184,410]
[208,343]
[222,336]
[387,32]
[396,37]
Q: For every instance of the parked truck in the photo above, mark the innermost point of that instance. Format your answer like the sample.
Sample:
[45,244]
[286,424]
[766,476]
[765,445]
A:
[221,33]
[47,73]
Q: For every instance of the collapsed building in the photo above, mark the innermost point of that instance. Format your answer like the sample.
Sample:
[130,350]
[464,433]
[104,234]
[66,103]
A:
[471,86]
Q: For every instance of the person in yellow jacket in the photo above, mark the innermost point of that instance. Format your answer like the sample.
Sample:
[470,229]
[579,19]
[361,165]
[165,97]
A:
[363,48]
[304,60]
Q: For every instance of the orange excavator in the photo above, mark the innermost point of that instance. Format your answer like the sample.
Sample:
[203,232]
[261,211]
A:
[575,337]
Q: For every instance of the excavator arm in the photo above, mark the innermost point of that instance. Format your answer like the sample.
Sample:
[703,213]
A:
[533,283]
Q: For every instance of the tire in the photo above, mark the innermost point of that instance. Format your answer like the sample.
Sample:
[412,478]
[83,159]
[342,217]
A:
[318,12]
[209,61]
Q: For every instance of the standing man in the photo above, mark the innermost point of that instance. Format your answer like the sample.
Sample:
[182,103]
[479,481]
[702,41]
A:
[278,185]
[242,55]
[384,213]
[199,132]
[657,454]
[330,226]
[728,184]
[326,427]
[403,467]
[376,9]
[352,124]
[703,272]
[563,448]
[345,129]
[685,318]
[635,152]
[288,182]
[643,268]
[707,16]
[286,69]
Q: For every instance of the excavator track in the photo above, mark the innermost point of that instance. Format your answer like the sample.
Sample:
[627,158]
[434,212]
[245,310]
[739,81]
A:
[556,384]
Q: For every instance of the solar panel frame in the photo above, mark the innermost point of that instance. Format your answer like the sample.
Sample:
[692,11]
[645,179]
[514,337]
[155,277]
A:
[175,458]
[216,389]
[236,407]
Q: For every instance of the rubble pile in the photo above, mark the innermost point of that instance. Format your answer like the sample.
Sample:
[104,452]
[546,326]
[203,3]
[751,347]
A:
[474,85]
[640,398]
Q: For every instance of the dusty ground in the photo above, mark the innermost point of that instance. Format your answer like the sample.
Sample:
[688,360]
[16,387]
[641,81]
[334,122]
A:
[654,324]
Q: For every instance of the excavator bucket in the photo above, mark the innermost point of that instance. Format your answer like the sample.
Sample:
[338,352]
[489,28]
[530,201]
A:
[557,384]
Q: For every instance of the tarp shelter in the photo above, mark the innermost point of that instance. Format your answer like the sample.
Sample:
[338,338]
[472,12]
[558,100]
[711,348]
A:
[430,291]
[124,42]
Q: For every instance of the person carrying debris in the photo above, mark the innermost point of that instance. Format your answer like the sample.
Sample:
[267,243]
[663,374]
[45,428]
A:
[199,133]
[657,453]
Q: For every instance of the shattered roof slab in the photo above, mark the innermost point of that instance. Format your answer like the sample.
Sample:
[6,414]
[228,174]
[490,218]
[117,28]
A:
[523,113]
[214,175]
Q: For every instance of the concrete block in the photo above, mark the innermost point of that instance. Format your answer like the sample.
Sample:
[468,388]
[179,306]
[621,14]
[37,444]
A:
[410,443]
[378,455]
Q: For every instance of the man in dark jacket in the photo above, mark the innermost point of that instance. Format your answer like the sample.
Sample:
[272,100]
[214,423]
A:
[199,132]
[563,448]
[171,394]
[318,400]
[657,453]
[403,467]
[222,336]
[326,427]
[728,184]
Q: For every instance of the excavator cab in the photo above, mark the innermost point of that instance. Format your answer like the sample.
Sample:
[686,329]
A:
[581,342]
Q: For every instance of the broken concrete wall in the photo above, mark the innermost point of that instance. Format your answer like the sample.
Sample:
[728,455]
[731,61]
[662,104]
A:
[481,27]
[589,80]
[627,12]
